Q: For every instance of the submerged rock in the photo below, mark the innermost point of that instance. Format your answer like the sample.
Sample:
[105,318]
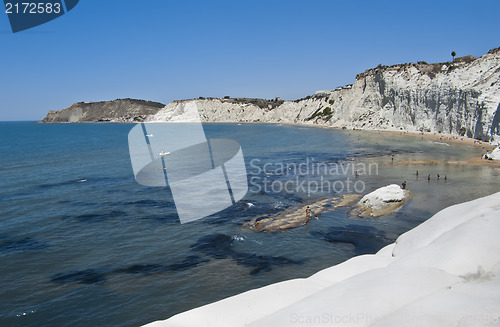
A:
[296,216]
[219,246]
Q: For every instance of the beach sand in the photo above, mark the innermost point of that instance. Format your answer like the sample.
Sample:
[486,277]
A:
[451,140]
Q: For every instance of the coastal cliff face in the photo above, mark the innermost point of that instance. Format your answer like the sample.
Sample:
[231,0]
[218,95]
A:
[460,98]
[120,110]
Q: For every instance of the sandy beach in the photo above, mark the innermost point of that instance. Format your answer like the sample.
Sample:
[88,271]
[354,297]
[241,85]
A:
[451,140]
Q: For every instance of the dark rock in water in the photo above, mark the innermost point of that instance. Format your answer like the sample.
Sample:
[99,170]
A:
[217,246]
[89,276]
[142,269]
[97,217]
[21,245]
[172,219]
[259,262]
[147,269]
[93,276]
[365,239]
[151,203]
[188,263]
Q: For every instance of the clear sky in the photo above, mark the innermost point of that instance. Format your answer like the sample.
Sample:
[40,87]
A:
[164,50]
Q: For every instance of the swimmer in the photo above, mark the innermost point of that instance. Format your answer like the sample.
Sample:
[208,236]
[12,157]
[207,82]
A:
[308,213]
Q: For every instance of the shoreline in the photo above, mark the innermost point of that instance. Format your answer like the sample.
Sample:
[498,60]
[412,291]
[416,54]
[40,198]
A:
[450,139]
[453,138]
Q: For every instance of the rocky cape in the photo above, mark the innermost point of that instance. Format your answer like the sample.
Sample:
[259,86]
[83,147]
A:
[459,98]
[120,110]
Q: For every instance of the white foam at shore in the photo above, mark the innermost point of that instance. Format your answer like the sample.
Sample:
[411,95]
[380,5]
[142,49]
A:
[444,272]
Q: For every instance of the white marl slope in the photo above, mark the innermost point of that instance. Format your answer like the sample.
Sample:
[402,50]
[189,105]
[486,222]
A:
[450,98]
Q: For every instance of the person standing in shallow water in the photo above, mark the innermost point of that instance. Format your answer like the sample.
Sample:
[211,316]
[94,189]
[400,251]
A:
[403,185]
[308,215]
[429,177]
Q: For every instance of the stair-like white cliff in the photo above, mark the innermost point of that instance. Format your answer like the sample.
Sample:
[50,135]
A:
[462,97]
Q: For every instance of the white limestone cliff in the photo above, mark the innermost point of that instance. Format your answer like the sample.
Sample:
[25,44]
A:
[462,97]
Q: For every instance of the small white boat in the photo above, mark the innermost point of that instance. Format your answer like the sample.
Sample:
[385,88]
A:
[149,135]
[163,153]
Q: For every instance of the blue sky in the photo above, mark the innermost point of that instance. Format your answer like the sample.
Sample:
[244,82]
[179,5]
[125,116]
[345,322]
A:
[164,50]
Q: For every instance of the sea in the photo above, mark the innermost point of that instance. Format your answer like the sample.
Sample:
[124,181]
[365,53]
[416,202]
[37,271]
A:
[83,244]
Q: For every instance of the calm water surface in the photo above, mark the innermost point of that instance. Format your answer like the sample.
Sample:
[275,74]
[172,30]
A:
[82,244]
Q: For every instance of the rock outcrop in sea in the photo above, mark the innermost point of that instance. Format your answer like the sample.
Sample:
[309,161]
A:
[381,201]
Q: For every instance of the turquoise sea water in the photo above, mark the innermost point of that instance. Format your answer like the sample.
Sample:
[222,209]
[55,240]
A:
[82,244]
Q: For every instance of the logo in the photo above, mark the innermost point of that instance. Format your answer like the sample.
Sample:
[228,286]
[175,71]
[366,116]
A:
[24,14]
[205,176]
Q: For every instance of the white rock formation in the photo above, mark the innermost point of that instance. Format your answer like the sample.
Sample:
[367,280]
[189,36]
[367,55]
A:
[494,155]
[450,98]
[444,272]
[382,201]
